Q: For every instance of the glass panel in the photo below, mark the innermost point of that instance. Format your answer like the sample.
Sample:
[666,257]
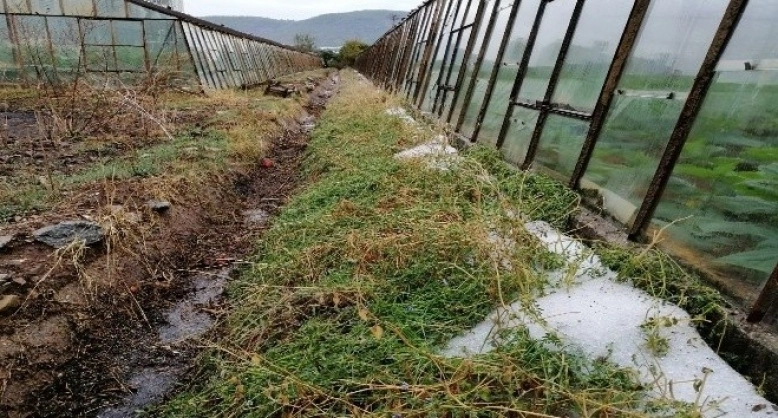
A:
[591,52]
[522,125]
[8,69]
[110,8]
[138,12]
[128,32]
[34,43]
[184,56]
[205,56]
[556,20]
[17,6]
[97,32]
[160,41]
[130,58]
[213,59]
[100,58]
[727,177]
[561,143]
[473,12]
[66,43]
[670,49]
[46,7]
[195,49]
[508,68]
[79,8]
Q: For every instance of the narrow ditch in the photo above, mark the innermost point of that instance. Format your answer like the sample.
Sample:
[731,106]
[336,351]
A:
[193,317]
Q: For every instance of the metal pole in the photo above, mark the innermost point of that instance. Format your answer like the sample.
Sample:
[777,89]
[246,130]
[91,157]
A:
[495,72]
[767,300]
[619,64]
[688,115]
[519,80]
[473,39]
[552,82]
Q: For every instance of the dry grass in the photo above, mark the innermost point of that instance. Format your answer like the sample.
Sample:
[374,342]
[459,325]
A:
[373,268]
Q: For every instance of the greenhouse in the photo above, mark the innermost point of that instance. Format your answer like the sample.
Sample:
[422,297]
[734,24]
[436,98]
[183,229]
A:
[660,112]
[50,41]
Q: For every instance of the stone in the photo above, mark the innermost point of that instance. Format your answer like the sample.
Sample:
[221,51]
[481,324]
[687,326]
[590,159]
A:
[256,216]
[65,233]
[4,278]
[5,240]
[159,205]
[9,302]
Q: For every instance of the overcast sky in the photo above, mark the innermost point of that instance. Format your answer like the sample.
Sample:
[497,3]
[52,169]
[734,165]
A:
[290,9]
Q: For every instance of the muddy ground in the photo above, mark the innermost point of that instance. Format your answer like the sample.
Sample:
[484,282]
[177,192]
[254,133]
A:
[106,335]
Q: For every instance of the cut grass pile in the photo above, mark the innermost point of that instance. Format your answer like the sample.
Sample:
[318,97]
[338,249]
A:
[374,266]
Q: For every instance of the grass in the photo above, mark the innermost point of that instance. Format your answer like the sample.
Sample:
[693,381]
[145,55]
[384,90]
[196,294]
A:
[373,267]
[232,136]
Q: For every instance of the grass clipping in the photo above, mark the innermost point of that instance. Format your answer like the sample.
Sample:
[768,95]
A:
[373,268]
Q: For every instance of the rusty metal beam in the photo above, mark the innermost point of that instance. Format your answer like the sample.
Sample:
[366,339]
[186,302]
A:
[430,59]
[534,142]
[619,64]
[688,115]
[519,80]
[495,71]
[429,47]
[767,300]
[454,39]
[476,67]
[472,40]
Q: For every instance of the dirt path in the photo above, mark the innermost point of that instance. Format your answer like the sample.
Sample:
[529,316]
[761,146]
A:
[81,351]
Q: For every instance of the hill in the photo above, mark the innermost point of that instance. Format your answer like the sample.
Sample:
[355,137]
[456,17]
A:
[329,29]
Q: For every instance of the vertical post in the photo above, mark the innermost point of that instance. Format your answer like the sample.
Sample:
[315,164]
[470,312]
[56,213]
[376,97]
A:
[688,115]
[619,64]
[767,300]
[552,82]
[452,40]
[468,53]
[432,50]
[519,80]
[495,71]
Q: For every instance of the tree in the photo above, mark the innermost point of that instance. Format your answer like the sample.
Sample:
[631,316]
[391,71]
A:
[351,50]
[305,42]
[330,58]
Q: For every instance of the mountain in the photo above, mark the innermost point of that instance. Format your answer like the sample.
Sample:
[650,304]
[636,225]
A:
[329,29]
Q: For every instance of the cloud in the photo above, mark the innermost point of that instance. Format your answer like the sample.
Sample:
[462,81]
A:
[290,9]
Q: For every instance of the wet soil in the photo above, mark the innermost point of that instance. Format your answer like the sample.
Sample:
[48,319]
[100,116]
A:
[110,335]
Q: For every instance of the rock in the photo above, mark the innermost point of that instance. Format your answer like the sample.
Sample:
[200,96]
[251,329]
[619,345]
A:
[20,281]
[5,240]
[256,216]
[159,205]
[266,163]
[9,302]
[4,278]
[63,234]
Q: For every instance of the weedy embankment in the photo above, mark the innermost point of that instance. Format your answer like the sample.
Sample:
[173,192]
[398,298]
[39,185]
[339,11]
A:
[374,266]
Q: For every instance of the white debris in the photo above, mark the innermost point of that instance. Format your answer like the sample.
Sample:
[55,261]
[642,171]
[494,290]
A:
[438,154]
[593,313]
[402,114]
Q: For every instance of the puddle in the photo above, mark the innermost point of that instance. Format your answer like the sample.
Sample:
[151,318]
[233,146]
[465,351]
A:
[185,321]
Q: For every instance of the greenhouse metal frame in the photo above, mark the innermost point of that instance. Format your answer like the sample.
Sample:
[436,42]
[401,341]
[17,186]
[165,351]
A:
[55,40]
[660,112]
